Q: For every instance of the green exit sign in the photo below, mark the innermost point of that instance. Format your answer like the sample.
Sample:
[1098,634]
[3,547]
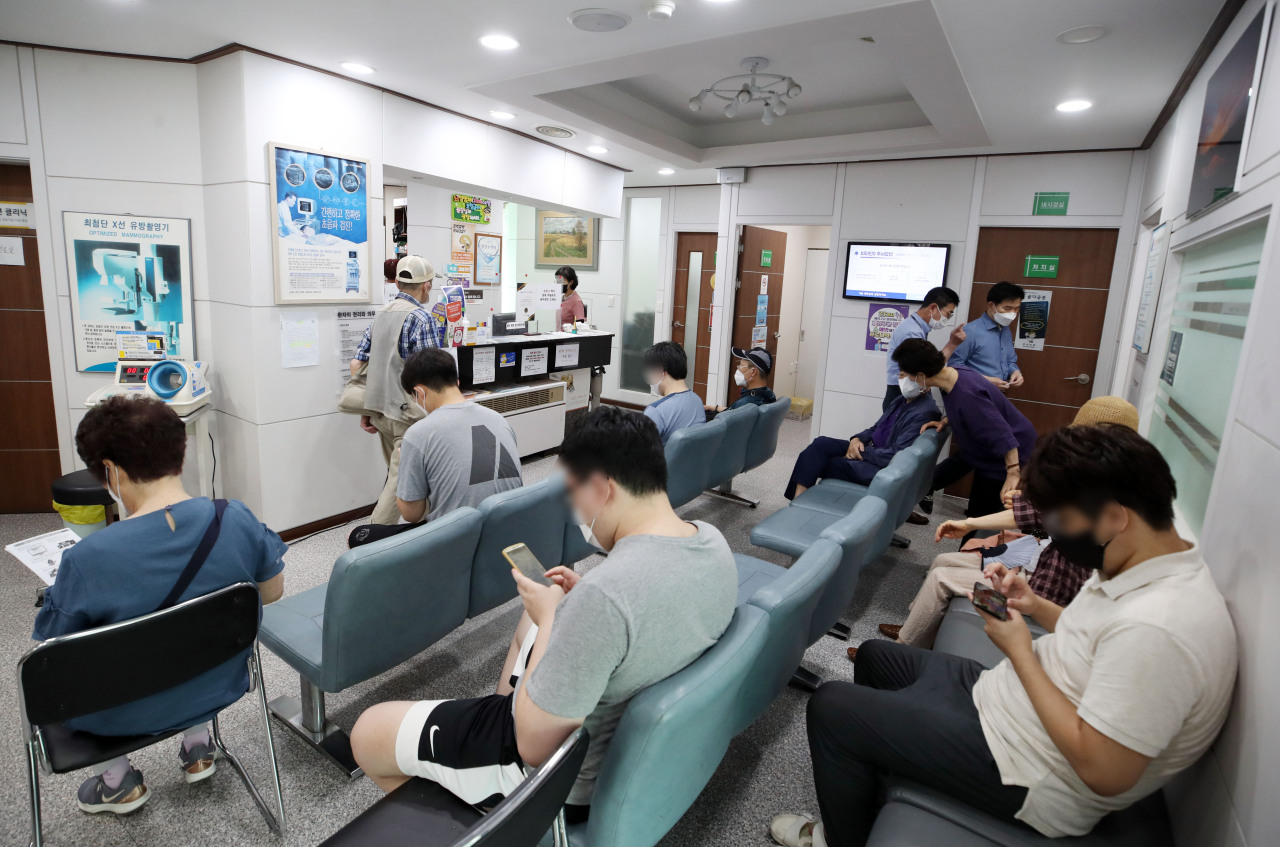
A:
[1041,267]
[1051,202]
[766,258]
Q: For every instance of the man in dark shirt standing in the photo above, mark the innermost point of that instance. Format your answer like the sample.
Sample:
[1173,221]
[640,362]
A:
[994,438]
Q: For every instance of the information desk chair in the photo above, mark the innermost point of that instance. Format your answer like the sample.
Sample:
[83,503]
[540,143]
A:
[75,675]
[422,814]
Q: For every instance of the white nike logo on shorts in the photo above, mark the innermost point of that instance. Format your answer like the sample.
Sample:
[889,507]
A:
[432,738]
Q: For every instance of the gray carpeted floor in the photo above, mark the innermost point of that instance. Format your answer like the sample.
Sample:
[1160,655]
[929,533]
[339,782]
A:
[766,770]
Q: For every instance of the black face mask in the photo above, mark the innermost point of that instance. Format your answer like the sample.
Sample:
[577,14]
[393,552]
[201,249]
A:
[564,289]
[1081,549]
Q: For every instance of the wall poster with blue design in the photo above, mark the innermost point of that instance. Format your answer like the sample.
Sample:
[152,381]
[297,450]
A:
[128,274]
[320,226]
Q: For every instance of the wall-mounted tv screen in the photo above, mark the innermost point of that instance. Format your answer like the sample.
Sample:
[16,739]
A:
[894,271]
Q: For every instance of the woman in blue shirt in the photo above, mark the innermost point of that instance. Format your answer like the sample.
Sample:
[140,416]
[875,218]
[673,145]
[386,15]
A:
[135,448]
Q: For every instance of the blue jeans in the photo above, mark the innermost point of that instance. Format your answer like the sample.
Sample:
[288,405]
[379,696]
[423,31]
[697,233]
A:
[824,459]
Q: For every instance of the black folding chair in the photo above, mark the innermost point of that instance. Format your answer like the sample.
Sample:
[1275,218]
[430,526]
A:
[422,814]
[80,674]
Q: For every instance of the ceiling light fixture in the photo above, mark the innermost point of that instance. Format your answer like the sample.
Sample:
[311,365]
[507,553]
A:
[356,68]
[555,131]
[502,116]
[599,20]
[499,42]
[666,171]
[770,90]
[661,10]
[1081,34]
[1074,105]
[597,150]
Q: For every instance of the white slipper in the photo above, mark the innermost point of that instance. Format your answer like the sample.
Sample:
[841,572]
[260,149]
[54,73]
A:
[797,831]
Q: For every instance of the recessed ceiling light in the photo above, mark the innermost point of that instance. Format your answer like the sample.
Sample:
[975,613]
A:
[499,42]
[1074,105]
[666,171]
[356,68]
[1081,34]
[502,116]
[597,149]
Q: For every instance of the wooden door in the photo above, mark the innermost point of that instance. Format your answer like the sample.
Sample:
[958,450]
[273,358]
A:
[28,429]
[691,321]
[762,255]
[1077,309]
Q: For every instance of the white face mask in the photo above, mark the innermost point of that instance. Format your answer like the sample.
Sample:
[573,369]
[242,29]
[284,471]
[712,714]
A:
[115,495]
[588,528]
[654,381]
[1004,318]
[939,322]
[909,387]
[740,378]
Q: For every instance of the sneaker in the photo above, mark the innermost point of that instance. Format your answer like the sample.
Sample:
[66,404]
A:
[198,762]
[797,831]
[94,796]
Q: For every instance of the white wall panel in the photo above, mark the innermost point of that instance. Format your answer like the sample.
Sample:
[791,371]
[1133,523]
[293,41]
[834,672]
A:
[318,466]
[592,187]
[222,119]
[288,104]
[288,393]
[235,366]
[240,466]
[925,200]
[1097,182]
[794,190]
[13,125]
[696,205]
[118,119]
[1156,174]
[239,261]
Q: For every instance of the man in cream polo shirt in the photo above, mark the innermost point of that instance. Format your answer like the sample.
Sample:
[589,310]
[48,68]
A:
[1130,687]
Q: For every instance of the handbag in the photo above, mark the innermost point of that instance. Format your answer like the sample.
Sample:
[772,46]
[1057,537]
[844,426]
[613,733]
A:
[351,401]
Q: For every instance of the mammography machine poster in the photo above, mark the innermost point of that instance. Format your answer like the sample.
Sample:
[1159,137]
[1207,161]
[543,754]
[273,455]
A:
[320,226]
[127,273]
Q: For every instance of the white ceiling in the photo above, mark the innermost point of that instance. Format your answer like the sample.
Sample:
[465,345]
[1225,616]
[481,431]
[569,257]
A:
[943,76]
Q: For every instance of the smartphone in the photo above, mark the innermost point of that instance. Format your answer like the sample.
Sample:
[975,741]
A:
[522,559]
[991,601]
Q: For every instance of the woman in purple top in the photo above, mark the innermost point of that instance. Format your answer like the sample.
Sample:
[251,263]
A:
[993,437]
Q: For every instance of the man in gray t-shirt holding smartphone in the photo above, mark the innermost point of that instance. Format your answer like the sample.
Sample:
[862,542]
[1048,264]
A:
[586,644]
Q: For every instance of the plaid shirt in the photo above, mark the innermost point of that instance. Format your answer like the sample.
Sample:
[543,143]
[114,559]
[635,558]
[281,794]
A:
[420,331]
[1055,579]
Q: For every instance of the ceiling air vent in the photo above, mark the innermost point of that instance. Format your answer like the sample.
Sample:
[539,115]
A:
[599,20]
[555,132]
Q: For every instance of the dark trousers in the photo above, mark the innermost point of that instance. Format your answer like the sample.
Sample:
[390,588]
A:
[890,393]
[984,495]
[824,458]
[908,713]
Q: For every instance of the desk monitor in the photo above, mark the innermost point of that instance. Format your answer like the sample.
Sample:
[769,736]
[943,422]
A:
[505,323]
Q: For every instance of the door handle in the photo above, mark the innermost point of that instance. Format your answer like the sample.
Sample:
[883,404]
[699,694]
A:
[1083,379]
[777,335]
[677,323]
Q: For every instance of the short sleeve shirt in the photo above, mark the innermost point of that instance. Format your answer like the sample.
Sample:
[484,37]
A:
[127,570]
[1148,658]
[913,327]
[652,607]
[676,411]
[457,456]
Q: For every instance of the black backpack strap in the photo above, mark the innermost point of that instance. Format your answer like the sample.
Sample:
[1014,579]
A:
[198,557]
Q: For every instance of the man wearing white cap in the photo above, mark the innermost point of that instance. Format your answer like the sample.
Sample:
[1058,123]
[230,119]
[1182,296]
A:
[400,329]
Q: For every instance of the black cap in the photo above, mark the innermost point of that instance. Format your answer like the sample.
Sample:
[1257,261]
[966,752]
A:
[757,356]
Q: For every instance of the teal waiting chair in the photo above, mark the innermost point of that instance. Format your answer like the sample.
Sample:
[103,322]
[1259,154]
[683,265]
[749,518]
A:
[689,453]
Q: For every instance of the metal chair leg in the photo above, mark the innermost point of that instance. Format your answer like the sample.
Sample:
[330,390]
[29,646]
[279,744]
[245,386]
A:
[33,785]
[560,834]
[271,741]
[725,492]
[305,716]
[805,680]
[900,541]
[274,825]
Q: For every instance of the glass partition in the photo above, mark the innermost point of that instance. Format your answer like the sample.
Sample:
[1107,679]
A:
[1193,392]
[640,287]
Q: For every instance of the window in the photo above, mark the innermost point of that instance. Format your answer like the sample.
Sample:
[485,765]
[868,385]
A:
[640,295]
[1206,332]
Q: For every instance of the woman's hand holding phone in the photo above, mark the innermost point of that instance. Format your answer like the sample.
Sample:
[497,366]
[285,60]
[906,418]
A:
[564,577]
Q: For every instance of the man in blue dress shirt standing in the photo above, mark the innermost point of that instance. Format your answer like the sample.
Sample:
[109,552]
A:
[937,311]
[988,344]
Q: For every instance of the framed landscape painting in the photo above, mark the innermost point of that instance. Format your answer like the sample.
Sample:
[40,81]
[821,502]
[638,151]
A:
[565,239]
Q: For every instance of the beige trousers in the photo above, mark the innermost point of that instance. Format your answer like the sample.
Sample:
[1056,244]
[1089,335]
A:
[391,432]
[950,575]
